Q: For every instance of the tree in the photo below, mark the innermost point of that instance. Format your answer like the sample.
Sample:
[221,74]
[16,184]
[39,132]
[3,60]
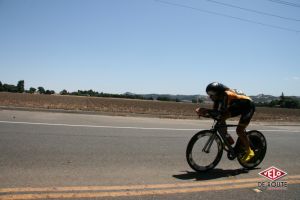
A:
[20,86]
[41,90]
[285,102]
[150,98]
[50,92]
[64,92]
[197,100]
[282,97]
[290,103]
[1,87]
[282,100]
[10,88]
[163,98]
[32,90]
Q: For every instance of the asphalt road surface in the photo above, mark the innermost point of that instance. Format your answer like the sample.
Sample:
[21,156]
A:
[46,155]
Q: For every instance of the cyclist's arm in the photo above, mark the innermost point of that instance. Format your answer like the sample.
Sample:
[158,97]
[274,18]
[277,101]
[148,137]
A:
[216,105]
[224,112]
[218,111]
[224,103]
[209,113]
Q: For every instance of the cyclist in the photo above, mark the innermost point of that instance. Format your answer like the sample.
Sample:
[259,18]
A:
[230,103]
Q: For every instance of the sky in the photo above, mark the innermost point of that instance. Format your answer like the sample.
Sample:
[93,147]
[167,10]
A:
[151,46]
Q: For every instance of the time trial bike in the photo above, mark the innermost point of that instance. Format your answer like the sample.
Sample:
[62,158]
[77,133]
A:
[205,149]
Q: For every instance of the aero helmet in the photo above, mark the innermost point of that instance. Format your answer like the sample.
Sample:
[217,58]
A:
[215,88]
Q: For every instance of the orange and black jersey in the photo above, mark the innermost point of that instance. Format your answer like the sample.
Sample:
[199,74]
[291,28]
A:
[231,99]
[233,104]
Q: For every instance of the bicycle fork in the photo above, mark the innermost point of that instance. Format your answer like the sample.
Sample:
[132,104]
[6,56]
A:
[209,142]
[231,151]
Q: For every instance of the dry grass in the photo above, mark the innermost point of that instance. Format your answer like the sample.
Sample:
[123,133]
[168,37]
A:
[114,106]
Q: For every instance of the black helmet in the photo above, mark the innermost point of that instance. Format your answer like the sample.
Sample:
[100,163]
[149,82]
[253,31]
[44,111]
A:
[216,88]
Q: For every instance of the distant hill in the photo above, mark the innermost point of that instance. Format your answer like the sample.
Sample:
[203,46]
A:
[181,98]
[187,98]
[260,98]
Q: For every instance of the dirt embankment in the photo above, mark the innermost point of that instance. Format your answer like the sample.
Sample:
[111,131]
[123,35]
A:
[112,106]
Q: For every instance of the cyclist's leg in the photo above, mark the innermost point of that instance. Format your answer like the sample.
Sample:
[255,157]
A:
[224,131]
[241,131]
[224,128]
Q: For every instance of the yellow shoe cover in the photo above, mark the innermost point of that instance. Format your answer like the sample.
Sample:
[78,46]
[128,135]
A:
[249,154]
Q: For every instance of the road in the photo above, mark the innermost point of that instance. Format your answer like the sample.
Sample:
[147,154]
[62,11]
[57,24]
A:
[48,155]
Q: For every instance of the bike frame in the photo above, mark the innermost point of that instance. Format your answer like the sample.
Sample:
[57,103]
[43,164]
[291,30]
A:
[215,129]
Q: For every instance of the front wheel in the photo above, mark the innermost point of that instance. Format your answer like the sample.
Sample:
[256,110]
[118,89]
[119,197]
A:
[201,159]
[258,144]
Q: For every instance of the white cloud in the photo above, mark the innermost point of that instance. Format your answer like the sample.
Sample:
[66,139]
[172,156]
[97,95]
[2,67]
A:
[294,78]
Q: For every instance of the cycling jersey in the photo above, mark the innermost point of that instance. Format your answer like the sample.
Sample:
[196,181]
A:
[235,104]
[233,97]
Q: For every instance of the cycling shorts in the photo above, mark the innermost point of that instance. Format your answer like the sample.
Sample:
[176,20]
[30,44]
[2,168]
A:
[244,108]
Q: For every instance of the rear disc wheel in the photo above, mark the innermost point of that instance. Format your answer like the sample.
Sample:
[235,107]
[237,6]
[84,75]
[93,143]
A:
[258,144]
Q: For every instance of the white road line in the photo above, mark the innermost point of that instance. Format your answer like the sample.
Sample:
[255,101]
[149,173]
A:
[94,126]
[129,127]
